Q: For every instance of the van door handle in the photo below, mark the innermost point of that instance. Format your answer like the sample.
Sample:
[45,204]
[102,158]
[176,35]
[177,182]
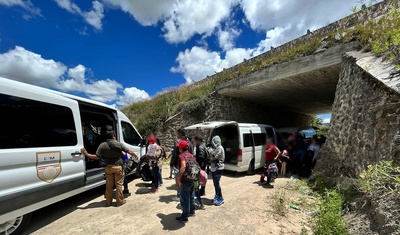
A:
[76,154]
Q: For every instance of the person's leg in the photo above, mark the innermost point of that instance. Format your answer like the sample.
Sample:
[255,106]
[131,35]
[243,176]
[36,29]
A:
[109,185]
[160,179]
[119,178]
[125,185]
[214,178]
[218,186]
[155,174]
[171,170]
[192,205]
[185,200]
[197,193]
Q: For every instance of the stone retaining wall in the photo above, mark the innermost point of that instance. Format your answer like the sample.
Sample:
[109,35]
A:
[365,117]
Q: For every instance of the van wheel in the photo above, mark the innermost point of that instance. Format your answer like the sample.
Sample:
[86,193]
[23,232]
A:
[15,226]
[251,169]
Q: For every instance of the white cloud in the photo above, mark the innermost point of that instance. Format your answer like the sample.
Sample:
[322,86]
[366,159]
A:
[181,18]
[197,63]
[192,17]
[92,17]
[146,12]
[227,37]
[25,66]
[131,95]
[26,5]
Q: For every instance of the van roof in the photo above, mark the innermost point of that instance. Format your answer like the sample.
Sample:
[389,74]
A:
[26,86]
[212,124]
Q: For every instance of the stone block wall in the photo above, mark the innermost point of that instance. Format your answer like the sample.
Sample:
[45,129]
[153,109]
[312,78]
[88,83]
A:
[365,120]
[230,109]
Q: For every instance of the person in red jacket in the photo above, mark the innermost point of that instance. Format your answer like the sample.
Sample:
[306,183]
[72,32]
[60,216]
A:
[272,152]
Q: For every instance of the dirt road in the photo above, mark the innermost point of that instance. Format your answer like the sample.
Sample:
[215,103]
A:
[247,210]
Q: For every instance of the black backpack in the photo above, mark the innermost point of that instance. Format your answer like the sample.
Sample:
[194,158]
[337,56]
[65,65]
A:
[192,171]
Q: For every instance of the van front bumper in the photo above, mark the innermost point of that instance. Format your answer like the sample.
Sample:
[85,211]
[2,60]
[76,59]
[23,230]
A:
[236,168]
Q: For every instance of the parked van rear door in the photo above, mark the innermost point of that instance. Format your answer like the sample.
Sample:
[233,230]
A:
[40,142]
[229,134]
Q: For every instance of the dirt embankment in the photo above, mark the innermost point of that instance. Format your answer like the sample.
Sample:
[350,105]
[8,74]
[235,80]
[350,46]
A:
[247,210]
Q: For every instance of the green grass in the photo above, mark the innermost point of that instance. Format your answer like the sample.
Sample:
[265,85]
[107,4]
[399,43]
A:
[330,220]
[382,37]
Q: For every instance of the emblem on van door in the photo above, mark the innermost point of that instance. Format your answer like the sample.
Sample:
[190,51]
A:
[48,165]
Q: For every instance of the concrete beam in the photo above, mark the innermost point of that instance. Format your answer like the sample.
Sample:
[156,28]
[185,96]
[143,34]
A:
[306,85]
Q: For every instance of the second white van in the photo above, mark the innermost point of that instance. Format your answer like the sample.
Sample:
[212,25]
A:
[244,143]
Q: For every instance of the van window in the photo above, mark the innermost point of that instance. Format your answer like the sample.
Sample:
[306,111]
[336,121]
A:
[270,133]
[29,123]
[259,139]
[247,140]
[130,134]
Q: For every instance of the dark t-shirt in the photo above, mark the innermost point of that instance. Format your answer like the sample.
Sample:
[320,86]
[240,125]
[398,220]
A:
[111,155]
[182,158]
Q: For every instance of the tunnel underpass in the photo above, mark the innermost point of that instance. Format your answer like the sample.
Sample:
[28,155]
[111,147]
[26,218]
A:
[305,85]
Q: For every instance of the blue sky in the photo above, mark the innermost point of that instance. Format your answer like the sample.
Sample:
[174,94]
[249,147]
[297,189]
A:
[123,51]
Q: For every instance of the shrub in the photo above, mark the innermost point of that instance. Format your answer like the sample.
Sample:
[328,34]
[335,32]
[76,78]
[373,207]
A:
[329,220]
[381,178]
[280,203]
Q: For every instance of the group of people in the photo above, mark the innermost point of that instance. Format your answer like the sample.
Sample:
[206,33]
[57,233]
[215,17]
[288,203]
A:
[297,157]
[184,155]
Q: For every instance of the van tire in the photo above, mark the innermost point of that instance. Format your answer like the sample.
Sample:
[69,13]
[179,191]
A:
[251,169]
[26,219]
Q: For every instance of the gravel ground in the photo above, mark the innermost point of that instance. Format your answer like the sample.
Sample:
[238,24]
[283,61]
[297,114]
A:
[247,210]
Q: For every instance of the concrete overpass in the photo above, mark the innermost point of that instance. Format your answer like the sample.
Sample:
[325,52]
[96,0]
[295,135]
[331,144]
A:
[306,85]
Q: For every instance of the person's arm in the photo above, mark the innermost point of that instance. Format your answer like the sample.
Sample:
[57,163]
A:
[126,150]
[285,155]
[91,156]
[278,153]
[180,174]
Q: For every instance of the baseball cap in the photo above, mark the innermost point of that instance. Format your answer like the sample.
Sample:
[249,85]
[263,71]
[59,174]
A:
[183,144]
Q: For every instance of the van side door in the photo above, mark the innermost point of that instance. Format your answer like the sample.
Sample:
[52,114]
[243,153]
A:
[40,157]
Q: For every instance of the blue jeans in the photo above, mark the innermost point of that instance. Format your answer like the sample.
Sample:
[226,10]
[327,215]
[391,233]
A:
[155,172]
[187,199]
[216,178]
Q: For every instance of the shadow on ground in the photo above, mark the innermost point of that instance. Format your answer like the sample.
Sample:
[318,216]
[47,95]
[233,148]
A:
[169,222]
[166,199]
[264,185]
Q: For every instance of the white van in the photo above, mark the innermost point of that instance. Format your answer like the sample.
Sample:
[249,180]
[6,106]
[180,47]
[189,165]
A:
[244,143]
[41,134]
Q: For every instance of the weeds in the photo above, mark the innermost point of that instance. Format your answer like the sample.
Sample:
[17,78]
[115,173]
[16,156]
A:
[381,178]
[329,220]
[280,203]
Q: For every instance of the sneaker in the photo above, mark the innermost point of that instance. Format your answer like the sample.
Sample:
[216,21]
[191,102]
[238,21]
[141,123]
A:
[176,199]
[215,199]
[202,207]
[192,214]
[160,185]
[126,191]
[181,220]
[219,201]
[123,202]
[170,178]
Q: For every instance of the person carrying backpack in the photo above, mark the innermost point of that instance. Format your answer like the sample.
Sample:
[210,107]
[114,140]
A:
[189,172]
[180,135]
[217,156]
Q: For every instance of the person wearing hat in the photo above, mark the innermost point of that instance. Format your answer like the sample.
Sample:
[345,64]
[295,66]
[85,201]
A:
[180,135]
[186,187]
[112,153]
[154,154]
